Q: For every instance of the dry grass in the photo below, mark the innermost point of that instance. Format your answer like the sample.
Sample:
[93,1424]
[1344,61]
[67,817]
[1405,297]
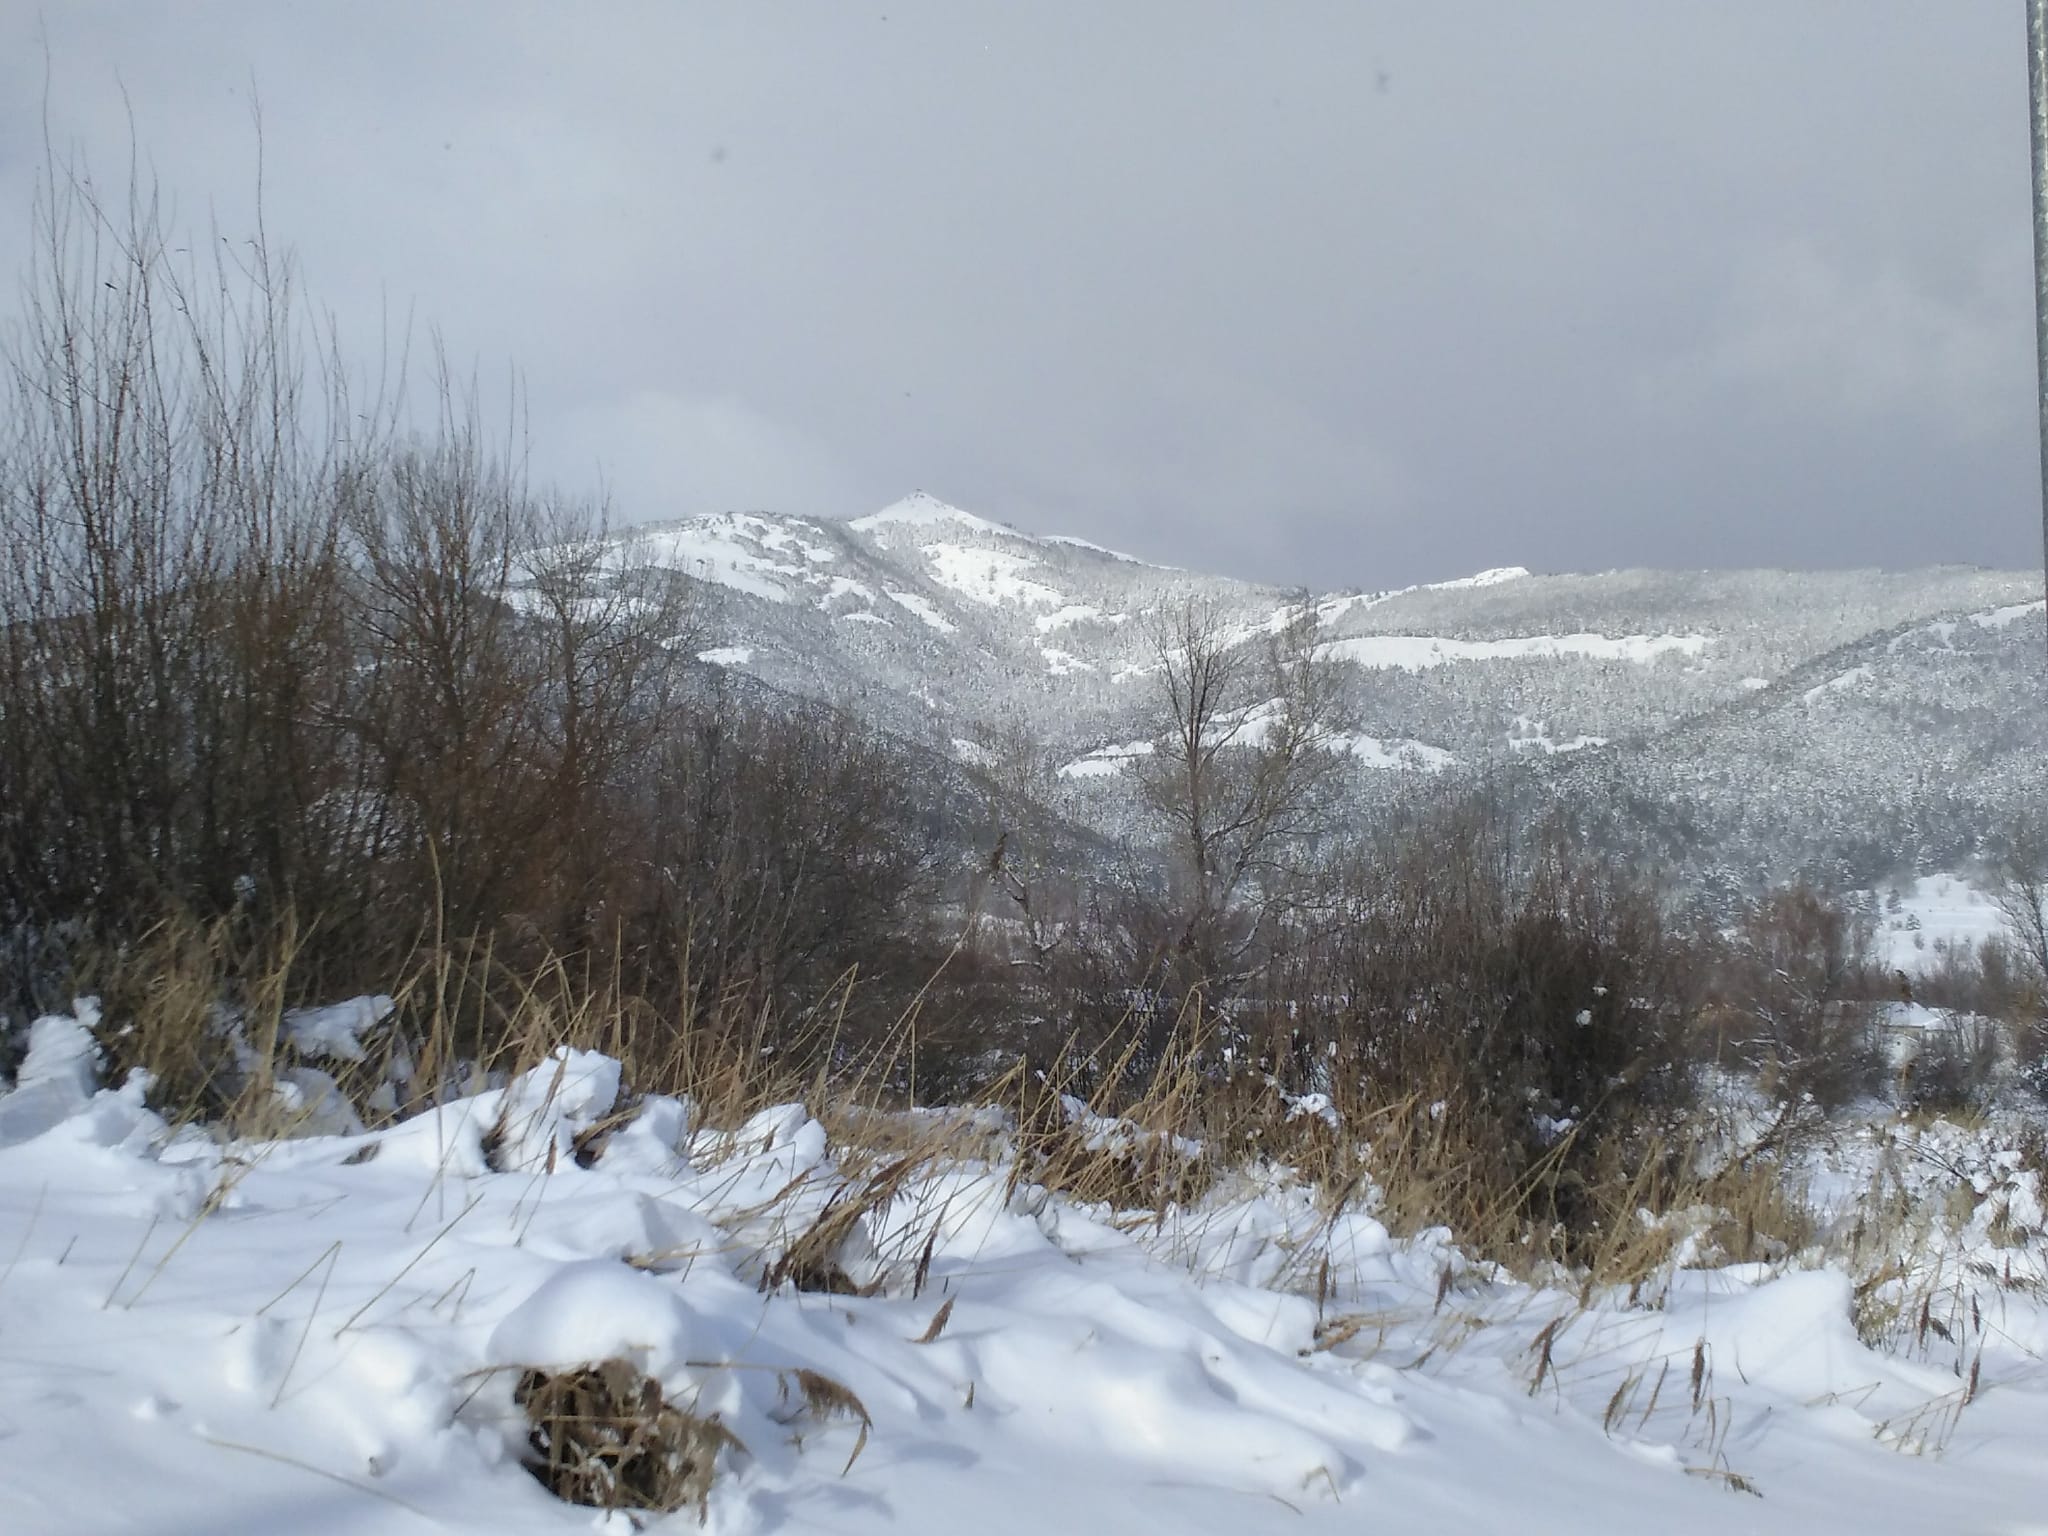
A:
[1608,1229]
[817,1397]
[1092,1129]
[603,1435]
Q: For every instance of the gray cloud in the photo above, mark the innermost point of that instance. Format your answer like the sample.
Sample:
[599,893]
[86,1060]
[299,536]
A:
[1322,293]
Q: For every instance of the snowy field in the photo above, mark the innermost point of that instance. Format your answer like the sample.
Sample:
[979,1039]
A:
[323,1334]
[1920,921]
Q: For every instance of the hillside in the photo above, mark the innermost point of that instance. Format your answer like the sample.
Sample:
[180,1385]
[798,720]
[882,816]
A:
[1891,714]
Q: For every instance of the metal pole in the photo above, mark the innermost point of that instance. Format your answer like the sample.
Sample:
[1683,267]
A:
[2037,74]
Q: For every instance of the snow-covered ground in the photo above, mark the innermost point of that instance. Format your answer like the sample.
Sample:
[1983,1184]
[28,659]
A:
[1415,653]
[1921,920]
[320,1334]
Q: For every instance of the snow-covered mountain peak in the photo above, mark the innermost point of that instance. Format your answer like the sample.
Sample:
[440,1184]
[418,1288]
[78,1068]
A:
[1490,578]
[921,512]
[922,518]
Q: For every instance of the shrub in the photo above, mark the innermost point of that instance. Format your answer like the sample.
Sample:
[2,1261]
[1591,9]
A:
[1954,1069]
[1533,1000]
[1792,992]
[267,656]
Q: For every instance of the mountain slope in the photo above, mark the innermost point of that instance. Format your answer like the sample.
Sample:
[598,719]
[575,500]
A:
[1914,748]
[1755,720]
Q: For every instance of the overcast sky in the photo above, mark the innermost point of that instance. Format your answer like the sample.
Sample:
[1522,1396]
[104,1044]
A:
[1335,294]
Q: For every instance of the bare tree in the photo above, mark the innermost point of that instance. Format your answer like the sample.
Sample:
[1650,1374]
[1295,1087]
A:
[1241,771]
[1016,773]
[610,632]
[169,591]
[2020,891]
[1799,965]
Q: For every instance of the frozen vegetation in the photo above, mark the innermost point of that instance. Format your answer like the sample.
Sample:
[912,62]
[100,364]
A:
[334,1332]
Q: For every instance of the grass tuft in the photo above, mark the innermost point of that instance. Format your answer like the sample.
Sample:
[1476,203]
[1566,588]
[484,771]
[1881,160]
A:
[604,1436]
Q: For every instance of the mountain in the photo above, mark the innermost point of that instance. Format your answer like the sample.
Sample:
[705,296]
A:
[1732,725]
[1911,749]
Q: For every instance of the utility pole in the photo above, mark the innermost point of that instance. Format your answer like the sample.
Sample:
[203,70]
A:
[2037,73]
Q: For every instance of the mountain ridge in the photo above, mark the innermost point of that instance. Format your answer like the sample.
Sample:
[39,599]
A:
[988,643]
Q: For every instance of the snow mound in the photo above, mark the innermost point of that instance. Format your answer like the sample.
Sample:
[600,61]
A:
[547,1107]
[592,1311]
[58,1077]
[201,1336]
[336,1031]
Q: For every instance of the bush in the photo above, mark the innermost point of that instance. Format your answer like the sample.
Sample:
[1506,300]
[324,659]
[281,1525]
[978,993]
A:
[271,662]
[1792,995]
[1955,1069]
[1534,1001]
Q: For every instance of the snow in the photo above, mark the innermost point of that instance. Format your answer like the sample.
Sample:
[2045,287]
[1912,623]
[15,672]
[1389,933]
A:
[57,1079]
[1248,728]
[538,1118]
[991,576]
[598,1310]
[336,1031]
[920,511]
[1399,753]
[323,1334]
[1276,623]
[1072,613]
[1999,618]
[1071,542]
[1491,578]
[837,587]
[1943,632]
[1920,920]
[589,610]
[771,557]
[729,549]
[1415,653]
[1531,736]
[1105,762]
[1918,1018]
[727,655]
[923,608]
[1092,767]
[1330,609]
[1852,678]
